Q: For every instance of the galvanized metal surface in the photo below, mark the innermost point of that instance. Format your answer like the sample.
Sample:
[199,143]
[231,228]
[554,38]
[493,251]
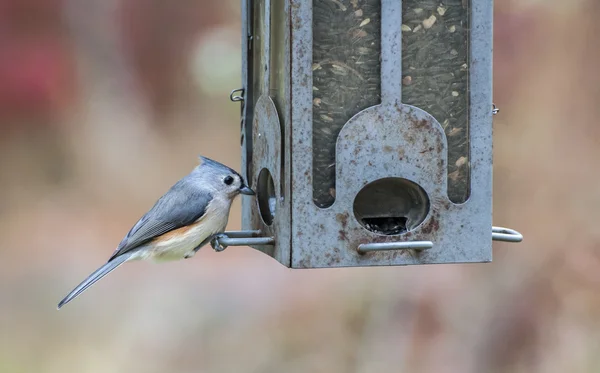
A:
[266,138]
[387,140]
[391,139]
[269,139]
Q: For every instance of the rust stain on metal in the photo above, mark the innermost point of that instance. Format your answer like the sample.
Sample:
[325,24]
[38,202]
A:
[421,123]
[410,138]
[439,149]
[343,219]
[332,260]
[432,226]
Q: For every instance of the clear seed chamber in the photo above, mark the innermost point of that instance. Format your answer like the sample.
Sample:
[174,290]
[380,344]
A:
[346,78]
[435,70]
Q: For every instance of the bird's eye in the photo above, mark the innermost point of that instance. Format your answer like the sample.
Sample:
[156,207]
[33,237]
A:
[228,180]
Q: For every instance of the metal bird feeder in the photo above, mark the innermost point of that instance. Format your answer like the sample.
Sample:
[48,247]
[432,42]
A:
[367,132]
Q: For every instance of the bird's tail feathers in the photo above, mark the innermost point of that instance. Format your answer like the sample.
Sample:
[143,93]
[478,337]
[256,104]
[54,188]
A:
[95,277]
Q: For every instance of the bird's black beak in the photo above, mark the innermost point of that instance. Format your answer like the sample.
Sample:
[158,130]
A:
[246,190]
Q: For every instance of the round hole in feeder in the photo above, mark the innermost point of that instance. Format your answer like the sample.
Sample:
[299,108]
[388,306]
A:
[265,194]
[391,206]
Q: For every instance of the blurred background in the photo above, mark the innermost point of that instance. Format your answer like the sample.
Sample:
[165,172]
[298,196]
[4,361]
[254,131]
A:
[104,104]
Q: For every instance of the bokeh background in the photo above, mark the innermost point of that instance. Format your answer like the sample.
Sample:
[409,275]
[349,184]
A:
[104,104]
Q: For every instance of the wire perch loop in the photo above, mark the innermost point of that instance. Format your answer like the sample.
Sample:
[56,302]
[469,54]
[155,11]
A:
[240,238]
[495,109]
[506,235]
[237,95]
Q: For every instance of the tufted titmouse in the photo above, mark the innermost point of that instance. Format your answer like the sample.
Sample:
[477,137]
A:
[184,219]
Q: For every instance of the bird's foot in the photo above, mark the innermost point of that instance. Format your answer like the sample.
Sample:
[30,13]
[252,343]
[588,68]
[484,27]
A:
[216,245]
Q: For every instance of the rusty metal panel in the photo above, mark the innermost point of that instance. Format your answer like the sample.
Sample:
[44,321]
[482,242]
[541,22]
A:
[390,140]
[270,218]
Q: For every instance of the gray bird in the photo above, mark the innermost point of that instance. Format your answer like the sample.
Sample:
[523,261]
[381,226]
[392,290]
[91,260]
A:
[187,217]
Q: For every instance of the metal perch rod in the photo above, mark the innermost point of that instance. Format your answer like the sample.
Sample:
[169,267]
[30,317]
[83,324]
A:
[498,234]
[250,238]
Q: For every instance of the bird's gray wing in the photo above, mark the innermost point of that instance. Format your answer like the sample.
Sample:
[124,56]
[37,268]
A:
[182,205]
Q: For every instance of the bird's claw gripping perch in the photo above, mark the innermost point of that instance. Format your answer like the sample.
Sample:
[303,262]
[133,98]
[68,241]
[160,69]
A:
[221,241]
[216,244]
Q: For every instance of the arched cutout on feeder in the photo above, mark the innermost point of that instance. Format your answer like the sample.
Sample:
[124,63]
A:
[391,206]
[267,200]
